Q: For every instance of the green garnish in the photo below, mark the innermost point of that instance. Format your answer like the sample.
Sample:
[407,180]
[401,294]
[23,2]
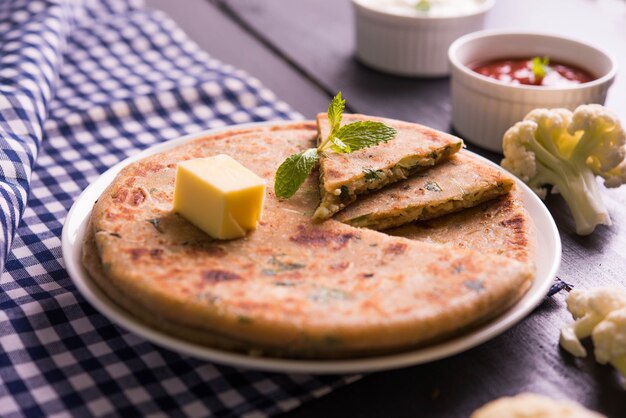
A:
[293,171]
[540,67]
[423,5]
[342,140]
[371,174]
[280,267]
[358,135]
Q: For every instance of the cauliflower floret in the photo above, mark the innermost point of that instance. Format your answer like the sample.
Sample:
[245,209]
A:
[609,340]
[530,405]
[604,141]
[565,150]
[589,307]
[601,314]
[520,158]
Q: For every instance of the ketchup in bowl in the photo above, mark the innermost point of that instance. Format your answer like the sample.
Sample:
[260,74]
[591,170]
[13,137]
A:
[525,71]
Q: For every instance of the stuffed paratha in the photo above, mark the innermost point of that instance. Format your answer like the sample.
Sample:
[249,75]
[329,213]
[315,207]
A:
[501,227]
[460,182]
[344,176]
[292,287]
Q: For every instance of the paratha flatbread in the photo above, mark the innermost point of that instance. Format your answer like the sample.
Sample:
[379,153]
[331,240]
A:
[460,182]
[345,176]
[501,227]
[292,287]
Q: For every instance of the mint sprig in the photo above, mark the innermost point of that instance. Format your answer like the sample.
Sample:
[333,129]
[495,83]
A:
[339,146]
[335,110]
[342,139]
[540,66]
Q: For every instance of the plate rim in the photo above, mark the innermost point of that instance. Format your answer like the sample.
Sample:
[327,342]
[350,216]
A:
[71,242]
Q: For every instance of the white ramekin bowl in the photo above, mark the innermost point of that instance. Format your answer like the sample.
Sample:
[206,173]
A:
[484,108]
[411,45]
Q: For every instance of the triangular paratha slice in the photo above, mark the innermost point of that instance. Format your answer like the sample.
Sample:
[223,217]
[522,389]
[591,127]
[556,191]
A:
[461,182]
[500,227]
[344,176]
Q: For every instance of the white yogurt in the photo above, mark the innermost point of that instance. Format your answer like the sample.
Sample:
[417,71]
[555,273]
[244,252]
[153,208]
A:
[425,8]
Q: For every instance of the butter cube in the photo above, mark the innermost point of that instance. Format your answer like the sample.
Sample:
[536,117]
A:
[219,196]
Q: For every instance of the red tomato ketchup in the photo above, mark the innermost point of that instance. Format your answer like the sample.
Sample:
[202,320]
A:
[520,71]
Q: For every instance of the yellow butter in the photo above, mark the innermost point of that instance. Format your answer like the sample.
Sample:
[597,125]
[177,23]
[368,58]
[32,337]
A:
[219,195]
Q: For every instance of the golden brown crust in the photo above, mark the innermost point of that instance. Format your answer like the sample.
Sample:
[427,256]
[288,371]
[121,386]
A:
[414,146]
[461,182]
[500,227]
[320,289]
[200,335]
[412,139]
[93,264]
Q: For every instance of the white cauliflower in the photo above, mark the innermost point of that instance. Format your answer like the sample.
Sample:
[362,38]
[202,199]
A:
[567,151]
[589,307]
[530,405]
[600,313]
[609,340]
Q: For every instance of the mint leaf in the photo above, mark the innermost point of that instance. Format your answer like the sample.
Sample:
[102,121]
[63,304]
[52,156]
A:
[339,146]
[343,140]
[335,110]
[540,67]
[365,134]
[293,171]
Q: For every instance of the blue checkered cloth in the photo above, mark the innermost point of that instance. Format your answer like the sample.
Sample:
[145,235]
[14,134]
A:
[84,85]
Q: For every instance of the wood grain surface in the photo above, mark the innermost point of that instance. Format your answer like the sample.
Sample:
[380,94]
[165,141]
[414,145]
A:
[318,36]
[303,50]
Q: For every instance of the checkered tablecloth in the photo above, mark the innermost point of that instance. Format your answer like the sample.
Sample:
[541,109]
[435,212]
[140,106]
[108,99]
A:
[83,85]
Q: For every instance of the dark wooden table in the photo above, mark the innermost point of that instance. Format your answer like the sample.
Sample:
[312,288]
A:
[303,51]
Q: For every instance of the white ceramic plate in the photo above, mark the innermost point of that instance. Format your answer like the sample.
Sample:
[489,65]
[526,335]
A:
[548,260]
